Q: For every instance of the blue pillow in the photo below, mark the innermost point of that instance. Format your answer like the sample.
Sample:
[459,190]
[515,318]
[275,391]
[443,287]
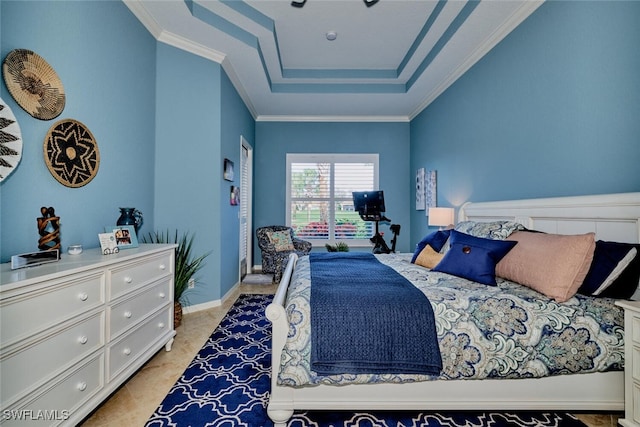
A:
[610,260]
[436,240]
[474,258]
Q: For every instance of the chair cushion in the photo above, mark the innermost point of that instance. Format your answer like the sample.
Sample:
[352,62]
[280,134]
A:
[281,240]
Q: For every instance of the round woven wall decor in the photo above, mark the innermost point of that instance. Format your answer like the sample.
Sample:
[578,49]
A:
[10,141]
[71,153]
[33,84]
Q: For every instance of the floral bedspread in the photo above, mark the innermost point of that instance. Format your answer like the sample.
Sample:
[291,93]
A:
[507,331]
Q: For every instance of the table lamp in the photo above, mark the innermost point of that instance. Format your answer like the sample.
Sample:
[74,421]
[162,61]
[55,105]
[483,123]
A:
[441,217]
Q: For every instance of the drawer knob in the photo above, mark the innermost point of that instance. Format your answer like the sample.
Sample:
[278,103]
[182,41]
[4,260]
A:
[83,339]
[128,279]
[163,267]
[162,295]
[161,325]
[83,296]
[82,386]
[127,351]
[127,314]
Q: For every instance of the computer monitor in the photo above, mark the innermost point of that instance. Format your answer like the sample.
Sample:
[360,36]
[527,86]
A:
[369,204]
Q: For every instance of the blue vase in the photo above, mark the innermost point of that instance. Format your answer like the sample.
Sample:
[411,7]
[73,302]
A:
[130,216]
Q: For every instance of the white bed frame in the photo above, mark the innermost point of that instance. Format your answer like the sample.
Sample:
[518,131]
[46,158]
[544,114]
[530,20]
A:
[614,217]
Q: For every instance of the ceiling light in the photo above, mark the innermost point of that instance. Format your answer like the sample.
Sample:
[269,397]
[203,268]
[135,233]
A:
[300,3]
[331,35]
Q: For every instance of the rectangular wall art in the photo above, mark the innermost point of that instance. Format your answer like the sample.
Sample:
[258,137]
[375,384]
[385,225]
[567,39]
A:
[430,189]
[420,193]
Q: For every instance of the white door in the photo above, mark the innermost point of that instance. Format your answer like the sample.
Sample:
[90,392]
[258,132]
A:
[246,169]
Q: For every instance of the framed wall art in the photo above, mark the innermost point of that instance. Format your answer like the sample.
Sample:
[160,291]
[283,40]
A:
[430,183]
[228,170]
[420,194]
[234,195]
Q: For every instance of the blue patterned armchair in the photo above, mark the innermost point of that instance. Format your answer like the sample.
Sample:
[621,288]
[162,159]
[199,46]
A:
[276,243]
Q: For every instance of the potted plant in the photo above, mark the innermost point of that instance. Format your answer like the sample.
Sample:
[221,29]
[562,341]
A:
[187,265]
[338,247]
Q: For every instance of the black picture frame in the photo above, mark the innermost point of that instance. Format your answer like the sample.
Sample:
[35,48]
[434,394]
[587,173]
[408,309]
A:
[228,170]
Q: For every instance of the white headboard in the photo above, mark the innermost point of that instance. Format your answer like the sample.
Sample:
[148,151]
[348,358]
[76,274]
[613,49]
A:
[613,217]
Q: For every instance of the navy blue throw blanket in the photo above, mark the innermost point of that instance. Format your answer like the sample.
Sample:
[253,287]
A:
[367,318]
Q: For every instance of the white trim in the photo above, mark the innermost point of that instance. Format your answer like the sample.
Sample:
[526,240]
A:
[331,158]
[246,193]
[523,12]
[356,119]
[186,309]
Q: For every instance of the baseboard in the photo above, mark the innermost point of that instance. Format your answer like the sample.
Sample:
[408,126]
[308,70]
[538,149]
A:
[209,304]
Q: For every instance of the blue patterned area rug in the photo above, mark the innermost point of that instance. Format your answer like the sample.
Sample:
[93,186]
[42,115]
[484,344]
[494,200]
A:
[227,384]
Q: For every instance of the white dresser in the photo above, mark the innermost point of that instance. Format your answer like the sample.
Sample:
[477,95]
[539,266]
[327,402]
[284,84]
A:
[631,364]
[72,331]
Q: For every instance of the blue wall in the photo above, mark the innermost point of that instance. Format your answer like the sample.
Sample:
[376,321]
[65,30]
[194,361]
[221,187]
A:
[275,140]
[194,136]
[156,113]
[188,150]
[236,121]
[106,61]
[553,110]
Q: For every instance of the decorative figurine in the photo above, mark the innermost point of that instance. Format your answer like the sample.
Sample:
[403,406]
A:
[49,229]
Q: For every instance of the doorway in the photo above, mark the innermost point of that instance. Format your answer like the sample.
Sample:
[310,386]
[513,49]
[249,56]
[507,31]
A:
[246,238]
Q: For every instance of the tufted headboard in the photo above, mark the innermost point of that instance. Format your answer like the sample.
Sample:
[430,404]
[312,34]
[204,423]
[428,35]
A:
[613,217]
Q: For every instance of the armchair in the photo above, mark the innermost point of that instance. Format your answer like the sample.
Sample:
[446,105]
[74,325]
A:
[276,243]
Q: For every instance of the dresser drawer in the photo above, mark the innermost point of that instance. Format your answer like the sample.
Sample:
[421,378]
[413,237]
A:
[64,397]
[25,314]
[137,274]
[22,369]
[127,313]
[124,352]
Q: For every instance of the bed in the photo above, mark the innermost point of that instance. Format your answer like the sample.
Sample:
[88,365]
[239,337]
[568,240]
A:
[612,217]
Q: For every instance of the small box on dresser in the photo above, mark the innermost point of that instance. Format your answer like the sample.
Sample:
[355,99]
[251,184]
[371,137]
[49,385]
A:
[632,363]
[73,331]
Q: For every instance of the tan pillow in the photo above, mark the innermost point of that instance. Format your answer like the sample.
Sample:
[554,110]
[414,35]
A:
[552,264]
[428,257]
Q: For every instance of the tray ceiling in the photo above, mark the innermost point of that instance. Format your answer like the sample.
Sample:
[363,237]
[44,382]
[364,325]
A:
[388,61]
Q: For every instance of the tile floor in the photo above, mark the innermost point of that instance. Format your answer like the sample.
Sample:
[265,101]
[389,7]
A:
[134,402]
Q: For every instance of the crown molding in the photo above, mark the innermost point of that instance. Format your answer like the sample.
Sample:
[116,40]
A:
[523,12]
[375,119]
[182,43]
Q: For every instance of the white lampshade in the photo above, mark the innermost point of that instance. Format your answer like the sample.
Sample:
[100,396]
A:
[441,217]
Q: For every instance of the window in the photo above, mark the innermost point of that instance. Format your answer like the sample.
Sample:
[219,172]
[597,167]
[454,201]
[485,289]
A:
[319,196]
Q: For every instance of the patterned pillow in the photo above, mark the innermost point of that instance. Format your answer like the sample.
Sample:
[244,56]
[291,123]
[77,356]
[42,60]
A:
[496,230]
[281,240]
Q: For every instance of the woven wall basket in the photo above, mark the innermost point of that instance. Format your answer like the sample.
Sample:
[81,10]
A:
[34,84]
[10,141]
[71,153]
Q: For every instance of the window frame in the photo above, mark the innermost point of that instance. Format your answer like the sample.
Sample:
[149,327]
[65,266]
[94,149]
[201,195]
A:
[331,158]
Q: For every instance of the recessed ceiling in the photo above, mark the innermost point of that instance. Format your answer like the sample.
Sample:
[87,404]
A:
[388,61]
